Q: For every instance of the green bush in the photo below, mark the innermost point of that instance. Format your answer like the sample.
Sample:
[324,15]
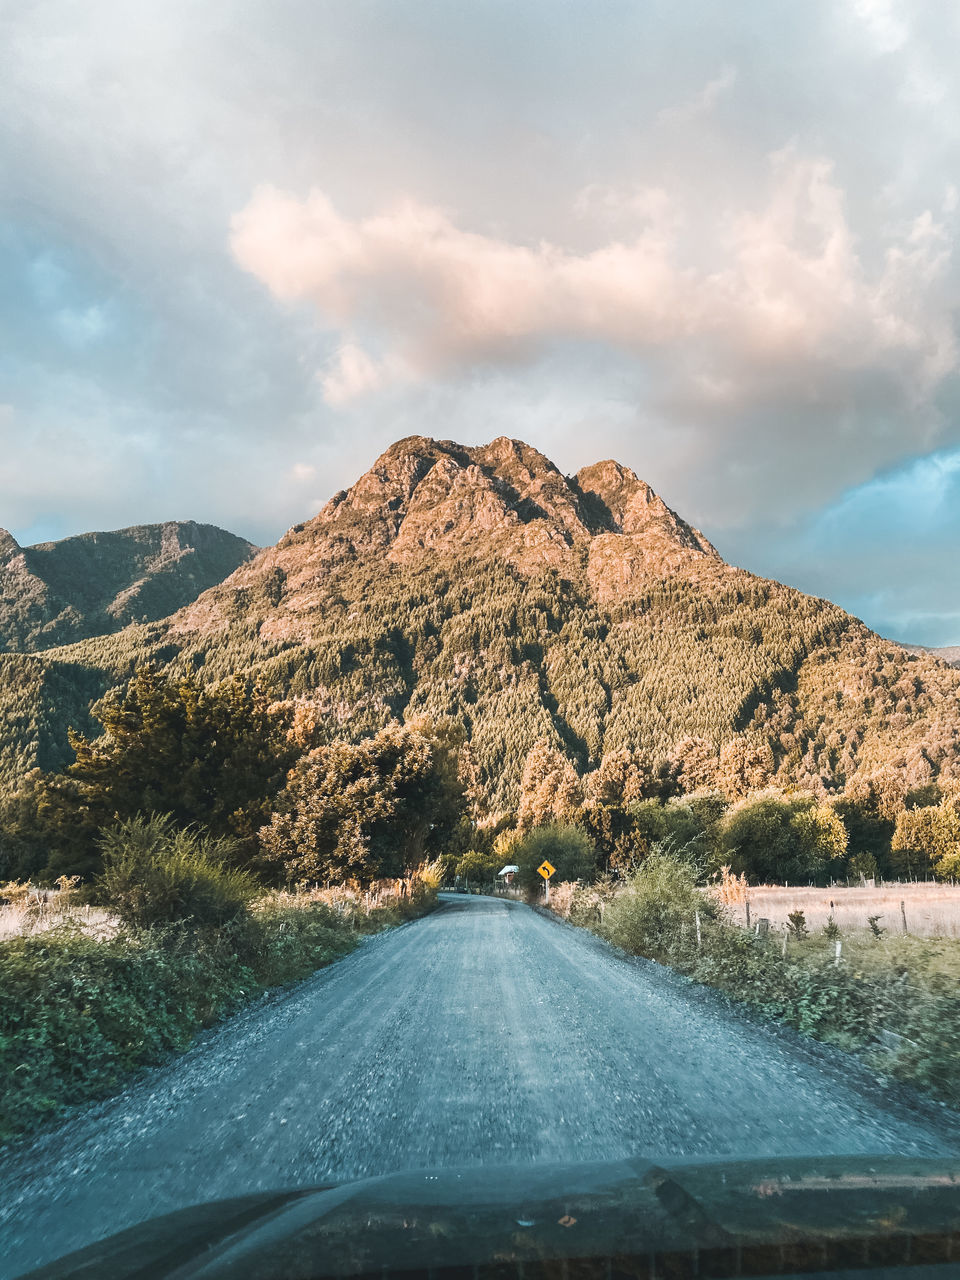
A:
[906,985]
[655,913]
[154,873]
[78,1014]
[566,847]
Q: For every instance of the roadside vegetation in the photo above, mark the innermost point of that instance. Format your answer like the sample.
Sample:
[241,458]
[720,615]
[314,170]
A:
[202,849]
[206,843]
[891,997]
[187,941]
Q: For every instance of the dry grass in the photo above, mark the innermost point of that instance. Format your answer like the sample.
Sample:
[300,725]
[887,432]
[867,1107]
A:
[932,910]
[19,918]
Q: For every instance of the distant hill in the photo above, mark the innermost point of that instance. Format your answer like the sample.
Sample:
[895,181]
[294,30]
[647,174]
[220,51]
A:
[949,653]
[484,585]
[57,592]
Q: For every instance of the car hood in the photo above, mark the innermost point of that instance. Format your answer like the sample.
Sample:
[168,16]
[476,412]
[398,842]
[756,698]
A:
[710,1217]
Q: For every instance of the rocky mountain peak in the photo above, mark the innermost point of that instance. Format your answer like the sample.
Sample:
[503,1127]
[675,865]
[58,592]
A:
[505,502]
[9,546]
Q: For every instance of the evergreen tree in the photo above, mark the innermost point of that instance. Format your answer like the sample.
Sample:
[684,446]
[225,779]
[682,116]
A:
[216,757]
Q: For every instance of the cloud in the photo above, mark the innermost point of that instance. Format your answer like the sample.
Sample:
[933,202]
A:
[782,289]
[883,23]
[702,103]
[352,373]
[694,237]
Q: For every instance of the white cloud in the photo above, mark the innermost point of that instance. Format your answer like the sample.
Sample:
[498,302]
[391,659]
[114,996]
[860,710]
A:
[352,373]
[883,23]
[702,103]
[780,284]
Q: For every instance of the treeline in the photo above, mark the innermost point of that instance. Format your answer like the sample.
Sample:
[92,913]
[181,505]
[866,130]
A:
[714,810]
[293,806]
[226,762]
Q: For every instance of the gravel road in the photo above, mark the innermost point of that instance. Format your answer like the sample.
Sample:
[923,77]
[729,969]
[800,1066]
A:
[483,1033]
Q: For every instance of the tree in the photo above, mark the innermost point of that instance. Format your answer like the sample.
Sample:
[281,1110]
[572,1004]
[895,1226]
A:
[549,788]
[868,830]
[568,848]
[622,778]
[357,812]
[693,763]
[773,837]
[478,867]
[744,766]
[216,757]
[928,836]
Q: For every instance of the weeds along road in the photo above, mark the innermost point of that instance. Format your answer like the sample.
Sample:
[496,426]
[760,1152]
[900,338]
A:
[484,1033]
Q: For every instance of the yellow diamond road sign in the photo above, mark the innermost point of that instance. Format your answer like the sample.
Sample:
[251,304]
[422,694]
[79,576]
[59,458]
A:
[546,869]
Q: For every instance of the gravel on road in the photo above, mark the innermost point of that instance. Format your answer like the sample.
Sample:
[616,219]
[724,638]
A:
[484,1033]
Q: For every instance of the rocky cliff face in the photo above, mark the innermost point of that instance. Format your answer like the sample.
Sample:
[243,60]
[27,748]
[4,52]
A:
[57,592]
[428,500]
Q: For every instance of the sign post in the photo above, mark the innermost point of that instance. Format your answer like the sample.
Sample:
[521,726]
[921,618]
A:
[546,869]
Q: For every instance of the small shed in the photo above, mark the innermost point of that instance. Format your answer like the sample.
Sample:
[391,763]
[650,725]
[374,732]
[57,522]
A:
[507,873]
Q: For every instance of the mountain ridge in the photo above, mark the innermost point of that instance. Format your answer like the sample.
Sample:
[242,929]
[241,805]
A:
[96,583]
[424,496]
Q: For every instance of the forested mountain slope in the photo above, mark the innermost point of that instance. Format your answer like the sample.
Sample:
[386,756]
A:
[57,592]
[484,585]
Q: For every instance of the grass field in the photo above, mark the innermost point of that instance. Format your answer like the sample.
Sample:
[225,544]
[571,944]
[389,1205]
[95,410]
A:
[932,910]
[29,915]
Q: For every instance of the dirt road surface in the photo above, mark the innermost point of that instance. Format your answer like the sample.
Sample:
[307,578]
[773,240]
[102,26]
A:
[483,1033]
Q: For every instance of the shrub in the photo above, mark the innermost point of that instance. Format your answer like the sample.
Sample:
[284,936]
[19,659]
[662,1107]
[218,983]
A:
[654,915]
[567,847]
[797,925]
[154,873]
[863,865]
[906,985]
[772,837]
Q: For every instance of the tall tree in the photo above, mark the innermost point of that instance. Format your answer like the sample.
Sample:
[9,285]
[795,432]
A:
[550,789]
[359,812]
[216,757]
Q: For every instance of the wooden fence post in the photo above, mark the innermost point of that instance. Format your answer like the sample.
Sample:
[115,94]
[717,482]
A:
[903,915]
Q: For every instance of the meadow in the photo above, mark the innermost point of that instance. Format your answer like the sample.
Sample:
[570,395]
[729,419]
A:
[930,909]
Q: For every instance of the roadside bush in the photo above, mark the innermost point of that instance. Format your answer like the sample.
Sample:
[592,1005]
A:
[654,915]
[154,873]
[79,1013]
[567,847]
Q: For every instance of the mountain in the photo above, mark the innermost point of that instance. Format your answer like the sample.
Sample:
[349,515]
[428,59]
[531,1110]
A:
[949,653]
[484,585]
[57,592]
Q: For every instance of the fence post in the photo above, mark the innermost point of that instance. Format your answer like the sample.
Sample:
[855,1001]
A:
[836,954]
[903,915]
[746,903]
[696,917]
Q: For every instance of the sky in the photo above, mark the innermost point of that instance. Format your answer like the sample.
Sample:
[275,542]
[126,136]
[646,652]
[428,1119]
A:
[247,244]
